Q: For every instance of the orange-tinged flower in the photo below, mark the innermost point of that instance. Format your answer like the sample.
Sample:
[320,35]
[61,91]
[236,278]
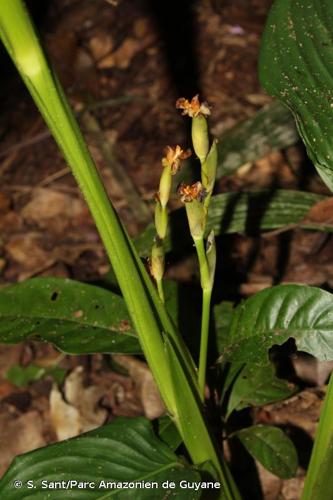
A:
[191,192]
[173,158]
[193,108]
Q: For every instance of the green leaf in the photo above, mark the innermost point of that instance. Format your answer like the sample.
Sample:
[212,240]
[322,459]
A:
[272,448]
[296,66]
[275,314]
[21,376]
[271,128]
[222,317]
[77,318]
[126,450]
[256,386]
[239,213]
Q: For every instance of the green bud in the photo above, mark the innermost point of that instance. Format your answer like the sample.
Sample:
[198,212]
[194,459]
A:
[196,215]
[165,185]
[161,220]
[157,260]
[211,258]
[200,137]
[208,168]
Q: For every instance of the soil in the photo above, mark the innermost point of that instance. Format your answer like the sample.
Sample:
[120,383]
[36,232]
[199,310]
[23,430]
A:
[123,65]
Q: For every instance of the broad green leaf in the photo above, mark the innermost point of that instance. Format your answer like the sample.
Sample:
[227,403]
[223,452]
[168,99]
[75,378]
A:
[275,314]
[222,317]
[21,376]
[272,448]
[271,128]
[239,213]
[124,451]
[77,318]
[296,66]
[256,386]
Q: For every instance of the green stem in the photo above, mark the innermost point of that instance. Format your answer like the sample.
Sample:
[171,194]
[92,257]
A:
[206,299]
[203,264]
[319,479]
[160,289]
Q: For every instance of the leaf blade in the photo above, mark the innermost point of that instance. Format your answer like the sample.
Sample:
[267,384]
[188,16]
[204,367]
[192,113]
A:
[249,212]
[125,450]
[271,447]
[275,314]
[304,79]
[257,386]
[76,317]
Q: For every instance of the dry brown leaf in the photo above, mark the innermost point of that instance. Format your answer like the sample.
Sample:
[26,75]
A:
[100,45]
[122,57]
[19,435]
[27,250]
[312,370]
[292,488]
[301,410]
[320,213]
[65,418]
[142,377]
[271,485]
[78,410]
[52,209]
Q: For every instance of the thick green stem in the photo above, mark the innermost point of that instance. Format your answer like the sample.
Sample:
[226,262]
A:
[319,479]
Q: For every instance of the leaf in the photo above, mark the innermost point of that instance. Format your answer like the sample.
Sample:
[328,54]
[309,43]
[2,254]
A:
[256,386]
[272,448]
[271,128]
[296,66]
[275,314]
[239,213]
[126,450]
[320,213]
[21,376]
[222,316]
[77,318]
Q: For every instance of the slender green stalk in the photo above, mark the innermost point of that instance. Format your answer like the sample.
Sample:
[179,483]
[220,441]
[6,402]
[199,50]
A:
[205,316]
[148,314]
[160,289]
[203,264]
[206,299]
[319,479]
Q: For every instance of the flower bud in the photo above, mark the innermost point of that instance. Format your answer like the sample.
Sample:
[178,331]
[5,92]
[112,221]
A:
[208,169]
[165,186]
[161,220]
[200,137]
[157,260]
[196,215]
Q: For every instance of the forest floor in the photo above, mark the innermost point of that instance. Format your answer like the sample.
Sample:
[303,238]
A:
[123,65]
